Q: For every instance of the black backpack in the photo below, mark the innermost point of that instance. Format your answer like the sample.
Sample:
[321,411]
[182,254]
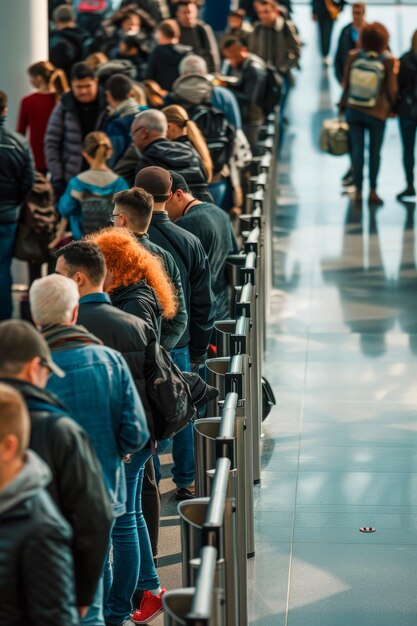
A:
[272,93]
[168,395]
[95,211]
[217,131]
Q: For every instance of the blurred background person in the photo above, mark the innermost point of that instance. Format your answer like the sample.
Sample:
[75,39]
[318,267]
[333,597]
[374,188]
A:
[407,114]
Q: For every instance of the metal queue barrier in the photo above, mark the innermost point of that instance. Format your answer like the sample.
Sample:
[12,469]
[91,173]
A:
[217,527]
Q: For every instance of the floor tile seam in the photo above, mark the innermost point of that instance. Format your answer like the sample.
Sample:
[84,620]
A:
[287,604]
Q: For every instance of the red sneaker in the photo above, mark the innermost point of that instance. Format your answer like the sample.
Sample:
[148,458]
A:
[150,607]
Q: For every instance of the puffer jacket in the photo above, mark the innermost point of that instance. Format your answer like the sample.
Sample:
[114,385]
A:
[36,580]
[17,173]
[63,140]
[179,157]
[77,485]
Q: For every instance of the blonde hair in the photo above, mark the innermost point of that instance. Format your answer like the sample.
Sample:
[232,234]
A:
[54,77]
[95,59]
[177,115]
[98,146]
[138,93]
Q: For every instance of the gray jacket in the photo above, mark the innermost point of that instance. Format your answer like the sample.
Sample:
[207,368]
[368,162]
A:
[279,46]
[63,141]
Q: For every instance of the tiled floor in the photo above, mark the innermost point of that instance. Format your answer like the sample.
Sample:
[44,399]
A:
[340,449]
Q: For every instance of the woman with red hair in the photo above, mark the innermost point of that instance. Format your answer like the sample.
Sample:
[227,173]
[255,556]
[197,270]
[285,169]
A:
[136,280]
[136,283]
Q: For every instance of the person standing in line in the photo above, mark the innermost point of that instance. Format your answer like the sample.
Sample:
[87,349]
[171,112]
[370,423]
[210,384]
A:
[36,566]
[116,421]
[77,485]
[35,110]
[369,97]
[67,41]
[325,13]
[165,58]
[197,34]
[407,114]
[80,112]
[17,175]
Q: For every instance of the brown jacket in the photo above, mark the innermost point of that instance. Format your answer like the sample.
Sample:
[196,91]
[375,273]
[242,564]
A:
[388,94]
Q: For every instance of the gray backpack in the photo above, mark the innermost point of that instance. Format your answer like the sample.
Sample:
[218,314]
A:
[96,211]
[366,76]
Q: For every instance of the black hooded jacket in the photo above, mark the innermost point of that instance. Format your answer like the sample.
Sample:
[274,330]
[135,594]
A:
[163,63]
[77,485]
[139,299]
[66,47]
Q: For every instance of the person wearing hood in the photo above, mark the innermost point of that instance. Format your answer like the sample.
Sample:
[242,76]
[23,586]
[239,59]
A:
[80,112]
[407,114]
[164,60]
[36,565]
[77,486]
[67,41]
[123,110]
[100,391]
[149,132]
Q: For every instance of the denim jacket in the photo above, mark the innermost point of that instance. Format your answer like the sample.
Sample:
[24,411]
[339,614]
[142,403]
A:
[101,395]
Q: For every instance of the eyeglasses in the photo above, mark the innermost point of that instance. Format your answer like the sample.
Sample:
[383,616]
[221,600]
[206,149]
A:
[133,132]
[112,216]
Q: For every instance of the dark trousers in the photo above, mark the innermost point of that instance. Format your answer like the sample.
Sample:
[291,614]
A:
[359,124]
[408,130]
[7,237]
[151,504]
[325,30]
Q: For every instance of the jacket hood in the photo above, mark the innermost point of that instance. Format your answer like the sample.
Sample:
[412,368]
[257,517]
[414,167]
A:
[193,88]
[182,49]
[172,155]
[34,475]
[74,34]
[127,108]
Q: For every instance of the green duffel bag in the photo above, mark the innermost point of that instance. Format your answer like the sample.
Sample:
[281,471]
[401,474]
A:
[334,138]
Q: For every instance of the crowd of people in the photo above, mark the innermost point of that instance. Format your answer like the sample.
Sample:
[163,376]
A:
[120,190]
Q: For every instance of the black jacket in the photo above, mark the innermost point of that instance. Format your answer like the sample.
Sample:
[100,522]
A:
[203,42]
[77,485]
[179,157]
[407,86]
[250,87]
[195,273]
[163,63]
[139,299]
[17,172]
[129,334]
[345,44]
[36,567]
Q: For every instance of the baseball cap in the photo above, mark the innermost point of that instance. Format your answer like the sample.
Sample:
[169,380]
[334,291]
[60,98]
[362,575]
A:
[178,182]
[156,181]
[20,342]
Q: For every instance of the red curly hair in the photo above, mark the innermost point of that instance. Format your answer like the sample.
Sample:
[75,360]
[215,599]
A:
[131,262]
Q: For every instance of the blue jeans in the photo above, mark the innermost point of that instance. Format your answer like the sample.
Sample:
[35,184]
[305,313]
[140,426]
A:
[408,129]
[359,124]
[7,237]
[133,564]
[182,442]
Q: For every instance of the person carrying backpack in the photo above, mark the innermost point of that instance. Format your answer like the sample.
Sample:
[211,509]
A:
[68,43]
[87,201]
[369,96]
[407,114]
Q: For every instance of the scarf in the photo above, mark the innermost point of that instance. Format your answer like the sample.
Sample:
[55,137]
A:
[61,337]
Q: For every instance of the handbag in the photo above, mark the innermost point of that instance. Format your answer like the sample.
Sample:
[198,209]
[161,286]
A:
[334,138]
[37,223]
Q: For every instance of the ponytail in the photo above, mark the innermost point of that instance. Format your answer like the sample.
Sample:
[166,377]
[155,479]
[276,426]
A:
[58,83]
[98,146]
[177,115]
[196,137]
